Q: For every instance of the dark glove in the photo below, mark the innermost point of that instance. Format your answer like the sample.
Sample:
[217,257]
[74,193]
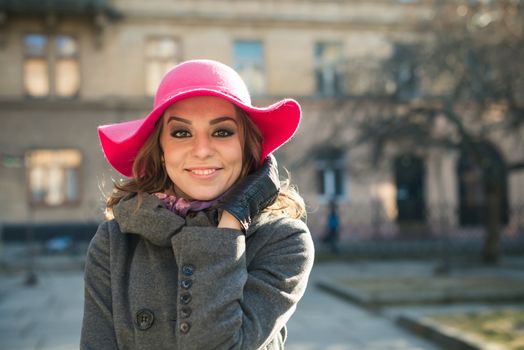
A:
[253,193]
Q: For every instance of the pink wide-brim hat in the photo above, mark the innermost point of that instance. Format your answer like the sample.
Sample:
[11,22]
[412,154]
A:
[277,123]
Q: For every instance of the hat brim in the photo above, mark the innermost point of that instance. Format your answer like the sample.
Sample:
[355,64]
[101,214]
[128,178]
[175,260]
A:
[121,142]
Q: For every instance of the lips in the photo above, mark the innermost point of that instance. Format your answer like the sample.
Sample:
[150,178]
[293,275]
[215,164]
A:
[203,172]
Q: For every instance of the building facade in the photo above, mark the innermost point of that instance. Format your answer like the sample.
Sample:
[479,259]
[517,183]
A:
[69,66]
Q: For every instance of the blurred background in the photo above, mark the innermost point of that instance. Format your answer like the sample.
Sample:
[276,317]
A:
[410,154]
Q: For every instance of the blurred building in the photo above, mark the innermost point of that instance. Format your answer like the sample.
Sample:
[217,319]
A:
[68,66]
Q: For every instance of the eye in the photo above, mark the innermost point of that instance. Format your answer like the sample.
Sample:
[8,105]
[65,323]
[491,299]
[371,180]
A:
[223,133]
[180,133]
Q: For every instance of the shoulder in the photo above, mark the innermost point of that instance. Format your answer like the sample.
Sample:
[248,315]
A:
[107,231]
[283,244]
[272,228]
[284,224]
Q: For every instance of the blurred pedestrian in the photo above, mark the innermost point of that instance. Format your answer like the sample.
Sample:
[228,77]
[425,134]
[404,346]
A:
[206,248]
[332,235]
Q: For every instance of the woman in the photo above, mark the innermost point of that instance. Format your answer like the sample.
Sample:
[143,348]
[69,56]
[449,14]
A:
[205,249]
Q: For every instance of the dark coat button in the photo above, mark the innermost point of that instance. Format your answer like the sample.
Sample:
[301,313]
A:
[188,270]
[185,298]
[185,327]
[186,284]
[144,319]
[185,312]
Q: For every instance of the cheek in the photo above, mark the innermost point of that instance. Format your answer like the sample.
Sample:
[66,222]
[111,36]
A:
[236,157]
[172,158]
[171,167]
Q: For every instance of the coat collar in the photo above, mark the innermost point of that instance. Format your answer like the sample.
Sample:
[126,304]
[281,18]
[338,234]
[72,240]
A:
[149,218]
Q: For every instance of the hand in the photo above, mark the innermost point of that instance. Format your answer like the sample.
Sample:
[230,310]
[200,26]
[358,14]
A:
[253,193]
[229,221]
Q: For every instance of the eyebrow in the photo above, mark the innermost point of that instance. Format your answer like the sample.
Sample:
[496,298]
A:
[212,122]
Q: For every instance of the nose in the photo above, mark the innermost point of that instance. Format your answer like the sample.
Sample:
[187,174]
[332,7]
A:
[202,147]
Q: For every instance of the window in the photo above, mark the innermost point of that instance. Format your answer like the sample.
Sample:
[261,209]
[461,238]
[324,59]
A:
[53,176]
[404,72]
[329,69]
[331,175]
[51,66]
[67,76]
[36,68]
[409,178]
[162,53]
[249,63]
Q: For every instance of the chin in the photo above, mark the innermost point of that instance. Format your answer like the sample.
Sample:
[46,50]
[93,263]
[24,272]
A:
[204,195]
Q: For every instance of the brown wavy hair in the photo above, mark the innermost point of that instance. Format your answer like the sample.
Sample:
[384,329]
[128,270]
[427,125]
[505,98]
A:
[149,175]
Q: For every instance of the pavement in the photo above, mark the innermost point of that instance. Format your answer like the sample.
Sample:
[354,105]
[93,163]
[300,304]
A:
[325,322]
[45,316]
[372,285]
[48,315]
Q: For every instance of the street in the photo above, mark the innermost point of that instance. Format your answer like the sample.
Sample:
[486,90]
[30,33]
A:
[48,316]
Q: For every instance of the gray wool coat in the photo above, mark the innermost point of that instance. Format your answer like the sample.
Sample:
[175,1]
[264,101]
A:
[154,280]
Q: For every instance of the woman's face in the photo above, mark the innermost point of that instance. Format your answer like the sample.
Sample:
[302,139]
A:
[202,146]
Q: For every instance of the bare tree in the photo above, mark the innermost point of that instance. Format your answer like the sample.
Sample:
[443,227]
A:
[468,70]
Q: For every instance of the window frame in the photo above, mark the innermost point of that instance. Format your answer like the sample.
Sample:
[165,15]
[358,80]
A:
[326,169]
[57,58]
[79,180]
[44,57]
[339,82]
[253,92]
[51,59]
[147,59]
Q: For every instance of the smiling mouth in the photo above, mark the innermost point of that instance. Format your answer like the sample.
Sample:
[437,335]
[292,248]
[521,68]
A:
[203,172]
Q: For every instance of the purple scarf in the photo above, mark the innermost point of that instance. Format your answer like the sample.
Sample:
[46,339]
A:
[181,206]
